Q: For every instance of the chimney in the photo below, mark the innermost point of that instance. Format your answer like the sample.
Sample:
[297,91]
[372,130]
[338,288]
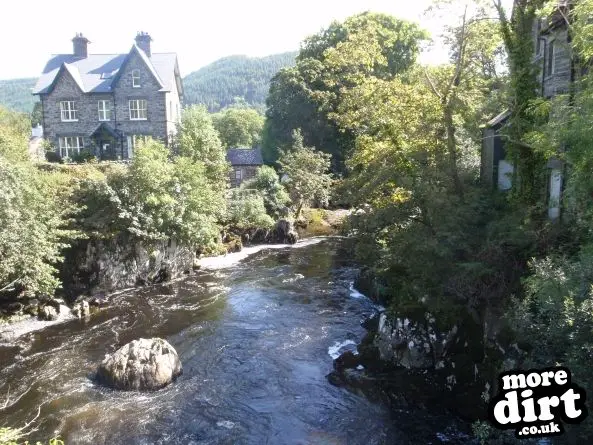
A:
[80,43]
[143,40]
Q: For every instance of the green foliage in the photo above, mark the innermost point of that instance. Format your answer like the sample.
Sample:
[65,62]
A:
[555,319]
[517,33]
[221,83]
[239,127]
[15,94]
[198,139]
[306,170]
[52,156]
[31,218]
[329,64]
[14,135]
[267,184]
[85,155]
[156,198]
[246,210]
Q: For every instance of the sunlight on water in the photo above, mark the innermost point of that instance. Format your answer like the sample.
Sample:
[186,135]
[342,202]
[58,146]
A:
[230,259]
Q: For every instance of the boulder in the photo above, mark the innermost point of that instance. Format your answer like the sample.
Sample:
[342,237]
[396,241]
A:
[142,364]
[51,311]
[82,309]
[284,232]
[346,360]
[48,313]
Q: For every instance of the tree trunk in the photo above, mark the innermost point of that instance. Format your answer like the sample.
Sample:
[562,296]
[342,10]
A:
[299,208]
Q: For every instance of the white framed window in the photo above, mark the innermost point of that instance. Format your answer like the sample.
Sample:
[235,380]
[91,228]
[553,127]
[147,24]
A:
[68,111]
[104,110]
[136,79]
[238,176]
[550,56]
[170,110]
[70,145]
[138,109]
[133,140]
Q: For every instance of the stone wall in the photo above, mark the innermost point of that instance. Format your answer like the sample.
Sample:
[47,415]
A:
[247,172]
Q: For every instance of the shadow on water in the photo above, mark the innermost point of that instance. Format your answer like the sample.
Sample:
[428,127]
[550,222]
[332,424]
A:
[254,340]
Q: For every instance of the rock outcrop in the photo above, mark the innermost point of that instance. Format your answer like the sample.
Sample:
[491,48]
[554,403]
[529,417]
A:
[284,232]
[143,364]
[103,266]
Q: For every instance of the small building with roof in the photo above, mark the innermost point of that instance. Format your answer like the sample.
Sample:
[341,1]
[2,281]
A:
[244,163]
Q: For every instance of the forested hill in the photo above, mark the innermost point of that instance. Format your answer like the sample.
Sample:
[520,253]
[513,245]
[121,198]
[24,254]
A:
[15,94]
[218,84]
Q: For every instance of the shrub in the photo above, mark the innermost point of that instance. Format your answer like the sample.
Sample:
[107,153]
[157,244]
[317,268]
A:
[267,184]
[554,320]
[155,198]
[52,156]
[85,155]
[246,210]
[31,229]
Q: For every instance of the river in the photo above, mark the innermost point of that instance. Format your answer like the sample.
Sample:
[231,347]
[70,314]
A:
[256,339]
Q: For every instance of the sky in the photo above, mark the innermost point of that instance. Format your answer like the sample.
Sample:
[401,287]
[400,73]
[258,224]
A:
[200,32]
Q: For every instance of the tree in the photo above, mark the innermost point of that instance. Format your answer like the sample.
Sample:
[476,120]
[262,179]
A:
[267,184]
[198,139]
[239,127]
[32,222]
[474,45]
[329,64]
[155,199]
[306,171]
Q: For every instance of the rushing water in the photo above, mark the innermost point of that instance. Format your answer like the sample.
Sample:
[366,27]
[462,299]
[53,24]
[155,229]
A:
[256,339]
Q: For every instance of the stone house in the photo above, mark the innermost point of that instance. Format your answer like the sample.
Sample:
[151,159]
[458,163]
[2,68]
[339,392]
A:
[244,163]
[553,59]
[105,103]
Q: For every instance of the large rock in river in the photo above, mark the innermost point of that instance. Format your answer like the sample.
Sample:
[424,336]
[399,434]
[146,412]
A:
[141,364]
[284,232]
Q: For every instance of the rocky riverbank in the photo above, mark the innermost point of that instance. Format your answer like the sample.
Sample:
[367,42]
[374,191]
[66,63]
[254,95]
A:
[447,366]
[93,269]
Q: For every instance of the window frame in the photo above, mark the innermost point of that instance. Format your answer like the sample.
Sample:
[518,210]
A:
[106,110]
[238,175]
[538,38]
[136,78]
[138,109]
[69,110]
[550,68]
[132,140]
[66,145]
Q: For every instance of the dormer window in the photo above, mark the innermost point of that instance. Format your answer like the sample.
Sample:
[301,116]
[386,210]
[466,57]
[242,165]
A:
[136,78]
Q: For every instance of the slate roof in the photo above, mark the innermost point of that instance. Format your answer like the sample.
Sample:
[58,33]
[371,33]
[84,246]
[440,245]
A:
[499,119]
[97,72]
[244,156]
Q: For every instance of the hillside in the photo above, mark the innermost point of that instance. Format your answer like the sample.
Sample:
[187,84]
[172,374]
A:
[218,84]
[16,94]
